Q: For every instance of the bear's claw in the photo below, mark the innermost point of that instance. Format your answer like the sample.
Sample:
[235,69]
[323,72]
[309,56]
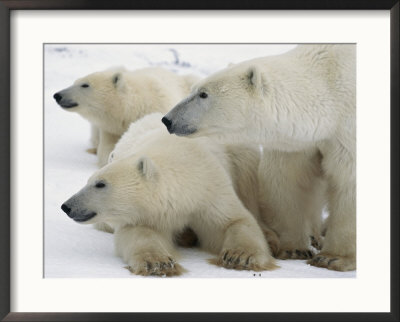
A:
[316,243]
[295,254]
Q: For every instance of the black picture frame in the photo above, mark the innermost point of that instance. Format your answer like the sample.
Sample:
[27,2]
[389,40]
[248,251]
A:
[7,6]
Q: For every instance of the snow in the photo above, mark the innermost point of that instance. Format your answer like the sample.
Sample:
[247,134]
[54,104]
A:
[79,251]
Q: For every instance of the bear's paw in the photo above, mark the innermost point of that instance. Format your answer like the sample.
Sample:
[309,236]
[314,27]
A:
[155,265]
[333,262]
[241,259]
[91,151]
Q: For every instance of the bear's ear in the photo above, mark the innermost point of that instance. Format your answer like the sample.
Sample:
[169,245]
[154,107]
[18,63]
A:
[147,168]
[116,79]
[254,77]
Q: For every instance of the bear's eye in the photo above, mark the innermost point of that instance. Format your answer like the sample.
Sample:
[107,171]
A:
[85,85]
[100,185]
[203,95]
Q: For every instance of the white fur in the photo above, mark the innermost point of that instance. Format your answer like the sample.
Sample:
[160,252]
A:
[292,197]
[139,133]
[304,99]
[281,186]
[117,97]
[160,189]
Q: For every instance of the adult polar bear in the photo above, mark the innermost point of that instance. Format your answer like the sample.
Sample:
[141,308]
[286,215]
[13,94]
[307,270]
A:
[112,99]
[302,99]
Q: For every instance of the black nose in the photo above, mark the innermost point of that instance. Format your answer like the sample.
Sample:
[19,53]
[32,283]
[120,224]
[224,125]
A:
[167,122]
[66,209]
[57,97]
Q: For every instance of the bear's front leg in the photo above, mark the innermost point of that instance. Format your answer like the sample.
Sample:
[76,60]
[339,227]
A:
[147,252]
[106,145]
[245,248]
[339,249]
[291,199]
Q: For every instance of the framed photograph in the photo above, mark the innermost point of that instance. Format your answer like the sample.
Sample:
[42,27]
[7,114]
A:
[109,217]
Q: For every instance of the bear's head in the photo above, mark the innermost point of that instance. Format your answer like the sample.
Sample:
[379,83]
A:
[218,104]
[96,97]
[117,193]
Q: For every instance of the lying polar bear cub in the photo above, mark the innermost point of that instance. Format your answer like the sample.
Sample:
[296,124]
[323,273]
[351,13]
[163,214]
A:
[154,193]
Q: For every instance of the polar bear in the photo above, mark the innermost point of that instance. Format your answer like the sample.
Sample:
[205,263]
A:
[110,100]
[153,194]
[283,191]
[302,99]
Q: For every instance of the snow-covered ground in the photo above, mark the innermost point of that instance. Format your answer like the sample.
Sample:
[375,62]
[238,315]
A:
[73,250]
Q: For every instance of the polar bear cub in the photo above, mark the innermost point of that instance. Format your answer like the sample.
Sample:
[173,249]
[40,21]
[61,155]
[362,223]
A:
[303,99]
[112,99]
[153,194]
